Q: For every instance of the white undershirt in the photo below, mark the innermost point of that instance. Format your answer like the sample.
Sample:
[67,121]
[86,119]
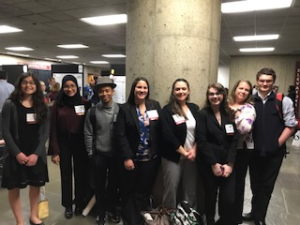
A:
[190,134]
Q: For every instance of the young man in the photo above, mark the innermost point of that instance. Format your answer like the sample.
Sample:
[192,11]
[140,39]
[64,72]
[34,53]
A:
[98,131]
[271,130]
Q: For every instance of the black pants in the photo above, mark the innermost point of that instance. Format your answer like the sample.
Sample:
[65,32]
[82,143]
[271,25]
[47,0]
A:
[243,159]
[106,182]
[73,156]
[226,189]
[263,174]
[136,186]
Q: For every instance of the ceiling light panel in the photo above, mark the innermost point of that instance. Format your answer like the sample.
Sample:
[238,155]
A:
[106,20]
[99,62]
[67,57]
[73,46]
[8,29]
[20,48]
[114,55]
[256,37]
[266,49]
[254,5]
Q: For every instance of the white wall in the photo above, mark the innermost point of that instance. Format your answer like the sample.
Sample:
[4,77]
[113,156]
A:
[224,75]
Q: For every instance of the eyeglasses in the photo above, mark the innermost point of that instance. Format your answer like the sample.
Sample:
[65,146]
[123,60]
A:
[211,94]
[30,83]
[70,87]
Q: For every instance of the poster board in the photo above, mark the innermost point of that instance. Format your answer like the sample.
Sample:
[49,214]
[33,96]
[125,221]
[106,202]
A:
[120,90]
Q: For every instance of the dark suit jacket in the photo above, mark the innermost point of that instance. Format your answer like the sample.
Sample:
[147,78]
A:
[127,130]
[214,144]
[174,135]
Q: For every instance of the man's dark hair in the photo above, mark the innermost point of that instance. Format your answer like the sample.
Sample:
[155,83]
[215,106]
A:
[3,75]
[266,71]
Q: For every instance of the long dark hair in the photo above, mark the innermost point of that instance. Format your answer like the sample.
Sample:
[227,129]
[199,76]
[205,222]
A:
[134,83]
[40,108]
[224,104]
[175,106]
[232,92]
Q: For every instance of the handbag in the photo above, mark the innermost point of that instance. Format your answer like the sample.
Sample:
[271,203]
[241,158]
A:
[186,215]
[158,216]
[43,206]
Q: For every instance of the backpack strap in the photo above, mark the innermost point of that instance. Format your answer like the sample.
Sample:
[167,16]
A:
[279,98]
[93,117]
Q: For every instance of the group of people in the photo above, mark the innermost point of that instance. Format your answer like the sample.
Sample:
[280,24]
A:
[118,148]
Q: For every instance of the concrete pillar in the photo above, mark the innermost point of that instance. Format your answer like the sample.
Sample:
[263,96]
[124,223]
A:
[168,39]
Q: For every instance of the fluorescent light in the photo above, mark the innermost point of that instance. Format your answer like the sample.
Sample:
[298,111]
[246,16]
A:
[254,5]
[99,62]
[17,54]
[106,20]
[256,37]
[8,29]
[69,46]
[67,57]
[19,49]
[114,55]
[266,49]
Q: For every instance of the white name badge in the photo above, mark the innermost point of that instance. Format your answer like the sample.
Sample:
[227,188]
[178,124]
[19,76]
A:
[79,110]
[229,129]
[153,115]
[178,119]
[31,118]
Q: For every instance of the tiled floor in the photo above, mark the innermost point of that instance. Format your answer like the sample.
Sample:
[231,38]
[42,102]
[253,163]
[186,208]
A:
[283,210]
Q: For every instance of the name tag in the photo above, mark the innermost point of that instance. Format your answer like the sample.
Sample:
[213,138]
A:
[229,129]
[79,110]
[178,119]
[31,118]
[153,115]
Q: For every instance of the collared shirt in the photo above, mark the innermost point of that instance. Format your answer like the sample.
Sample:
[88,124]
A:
[5,90]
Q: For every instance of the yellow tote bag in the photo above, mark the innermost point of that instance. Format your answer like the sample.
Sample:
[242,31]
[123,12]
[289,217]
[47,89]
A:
[43,206]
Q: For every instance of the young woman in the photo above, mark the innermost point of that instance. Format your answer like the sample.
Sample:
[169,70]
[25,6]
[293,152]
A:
[240,101]
[179,149]
[217,137]
[25,127]
[137,132]
[67,144]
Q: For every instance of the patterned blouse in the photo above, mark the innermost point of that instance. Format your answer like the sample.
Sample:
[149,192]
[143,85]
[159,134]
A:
[244,123]
[143,152]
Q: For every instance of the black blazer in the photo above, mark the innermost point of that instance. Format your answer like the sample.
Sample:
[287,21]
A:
[127,130]
[214,144]
[174,135]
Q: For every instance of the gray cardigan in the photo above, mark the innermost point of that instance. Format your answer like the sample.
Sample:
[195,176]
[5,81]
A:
[11,136]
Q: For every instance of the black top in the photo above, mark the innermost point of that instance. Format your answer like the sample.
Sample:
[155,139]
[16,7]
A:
[174,135]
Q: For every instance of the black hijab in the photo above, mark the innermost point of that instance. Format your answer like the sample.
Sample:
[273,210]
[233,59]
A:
[63,99]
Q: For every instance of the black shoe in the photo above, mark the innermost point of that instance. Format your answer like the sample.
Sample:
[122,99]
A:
[247,216]
[259,222]
[114,217]
[78,211]
[100,220]
[32,223]
[68,213]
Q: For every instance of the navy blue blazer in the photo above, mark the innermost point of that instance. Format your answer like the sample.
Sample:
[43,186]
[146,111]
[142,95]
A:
[174,135]
[127,130]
